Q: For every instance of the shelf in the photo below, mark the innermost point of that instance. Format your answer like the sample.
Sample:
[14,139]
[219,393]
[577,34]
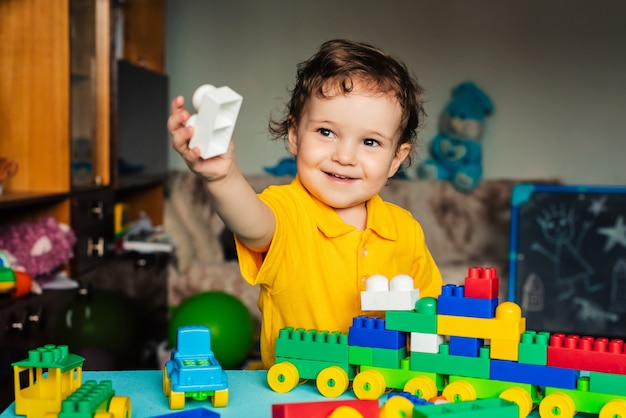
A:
[13,200]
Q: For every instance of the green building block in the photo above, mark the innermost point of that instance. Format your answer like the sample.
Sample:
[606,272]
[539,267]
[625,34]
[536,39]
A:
[52,357]
[422,319]
[6,275]
[487,388]
[483,408]
[386,357]
[361,356]
[446,363]
[397,378]
[87,399]
[533,348]
[584,400]
[309,369]
[614,384]
[312,345]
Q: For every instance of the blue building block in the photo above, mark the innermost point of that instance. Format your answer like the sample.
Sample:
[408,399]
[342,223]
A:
[452,301]
[192,413]
[370,332]
[533,374]
[465,346]
[415,400]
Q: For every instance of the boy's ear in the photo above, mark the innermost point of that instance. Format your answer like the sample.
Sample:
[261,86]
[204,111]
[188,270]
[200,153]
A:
[401,154]
[292,139]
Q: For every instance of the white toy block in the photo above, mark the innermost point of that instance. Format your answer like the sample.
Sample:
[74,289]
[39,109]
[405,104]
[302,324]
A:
[425,343]
[380,294]
[217,111]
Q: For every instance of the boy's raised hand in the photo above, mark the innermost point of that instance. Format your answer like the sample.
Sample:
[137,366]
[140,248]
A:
[211,169]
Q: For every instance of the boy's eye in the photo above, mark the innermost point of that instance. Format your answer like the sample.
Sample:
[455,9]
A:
[326,132]
[371,142]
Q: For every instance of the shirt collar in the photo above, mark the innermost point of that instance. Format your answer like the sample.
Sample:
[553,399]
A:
[379,217]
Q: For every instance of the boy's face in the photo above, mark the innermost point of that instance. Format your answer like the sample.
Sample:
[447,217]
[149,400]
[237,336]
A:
[346,146]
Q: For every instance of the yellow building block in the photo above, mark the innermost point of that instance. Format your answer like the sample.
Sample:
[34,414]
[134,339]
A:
[507,324]
[504,350]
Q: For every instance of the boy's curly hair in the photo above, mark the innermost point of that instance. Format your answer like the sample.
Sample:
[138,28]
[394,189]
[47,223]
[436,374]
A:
[336,66]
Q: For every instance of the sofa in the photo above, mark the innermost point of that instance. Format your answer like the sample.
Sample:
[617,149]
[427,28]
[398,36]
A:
[462,230]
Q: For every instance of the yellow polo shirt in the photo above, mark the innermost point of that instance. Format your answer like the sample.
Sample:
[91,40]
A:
[312,275]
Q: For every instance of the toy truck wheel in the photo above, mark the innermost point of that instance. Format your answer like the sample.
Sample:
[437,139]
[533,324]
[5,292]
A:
[282,377]
[369,385]
[421,386]
[396,407]
[521,398]
[220,398]
[120,407]
[345,411]
[459,391]
[556,405]
[167,383]
[177,400]
[332,381]
[614,408]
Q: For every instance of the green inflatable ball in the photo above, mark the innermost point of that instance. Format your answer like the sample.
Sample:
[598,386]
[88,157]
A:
[230,322]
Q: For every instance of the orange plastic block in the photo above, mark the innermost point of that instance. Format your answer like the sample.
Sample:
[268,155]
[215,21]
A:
[326,409]
[504,349]
[508,324]
[587,353]
[482,283]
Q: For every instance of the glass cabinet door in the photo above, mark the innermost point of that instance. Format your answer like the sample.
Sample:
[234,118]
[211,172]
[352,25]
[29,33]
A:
[89,81]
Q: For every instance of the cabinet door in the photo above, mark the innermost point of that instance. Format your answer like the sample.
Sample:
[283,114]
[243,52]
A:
[89,92]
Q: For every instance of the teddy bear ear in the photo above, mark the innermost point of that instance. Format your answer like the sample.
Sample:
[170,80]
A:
[473,92]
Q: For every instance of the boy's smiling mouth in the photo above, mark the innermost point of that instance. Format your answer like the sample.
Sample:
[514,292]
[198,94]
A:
[338,176]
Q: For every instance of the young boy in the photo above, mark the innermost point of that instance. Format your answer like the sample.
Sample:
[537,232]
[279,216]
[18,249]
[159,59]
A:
[350,123]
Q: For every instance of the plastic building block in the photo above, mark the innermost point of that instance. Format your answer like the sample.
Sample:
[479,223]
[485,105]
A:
[465,346]
[403,376]
[422,319]
[481,283]
[483,408]
[533,348]
[385,357]
[312,345]
[445,363]
[370,332]
[508,324]
[491,388]
[193,370]
[397,294]
[192,413]
[425,343]
[568,401]
[607,383]
[310,369]
[453,301]
[215,121]
[326,409]
[361,356]
[587,353]
[504,349]
[534,374]
[415,400]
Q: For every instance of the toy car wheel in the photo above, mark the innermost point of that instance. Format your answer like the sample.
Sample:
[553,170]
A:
[556,405]
[177,400]
[167,383]
[345,411]
[459,391]
[282,377]
[120,407]
[395,407]
[369,385]
[521,398]
[614,408]
[421,386]
[332,381]
[220,398]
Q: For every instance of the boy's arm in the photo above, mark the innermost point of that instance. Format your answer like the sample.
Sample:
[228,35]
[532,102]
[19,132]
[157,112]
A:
[234,200]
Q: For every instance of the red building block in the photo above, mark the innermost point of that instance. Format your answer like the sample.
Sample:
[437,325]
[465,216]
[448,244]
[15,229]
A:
[482,283]
[367,408]
[587,353]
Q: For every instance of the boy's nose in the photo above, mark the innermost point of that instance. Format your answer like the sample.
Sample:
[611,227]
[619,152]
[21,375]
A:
[344,153]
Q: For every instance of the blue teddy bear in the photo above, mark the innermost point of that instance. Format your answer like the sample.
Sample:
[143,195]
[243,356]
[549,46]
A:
[456,152]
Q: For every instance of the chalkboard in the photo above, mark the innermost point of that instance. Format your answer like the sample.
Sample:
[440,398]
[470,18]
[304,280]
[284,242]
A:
[567,264]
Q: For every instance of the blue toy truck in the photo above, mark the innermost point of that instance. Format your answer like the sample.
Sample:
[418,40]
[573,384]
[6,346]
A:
[193,371]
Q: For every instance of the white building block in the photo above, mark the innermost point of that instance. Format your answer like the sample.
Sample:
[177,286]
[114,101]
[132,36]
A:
[380,294]
[217,111]
[425,343]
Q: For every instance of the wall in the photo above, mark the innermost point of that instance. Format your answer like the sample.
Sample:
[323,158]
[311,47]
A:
[556,70]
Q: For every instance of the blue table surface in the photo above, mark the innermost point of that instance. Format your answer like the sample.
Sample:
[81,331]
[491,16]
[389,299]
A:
[248,394]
